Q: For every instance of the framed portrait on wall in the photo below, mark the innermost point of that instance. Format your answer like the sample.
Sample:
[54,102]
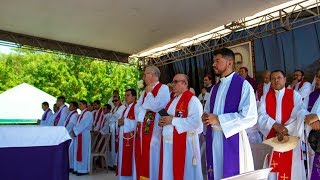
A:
[244,57]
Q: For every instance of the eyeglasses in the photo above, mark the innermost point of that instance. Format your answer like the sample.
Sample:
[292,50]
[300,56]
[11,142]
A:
[115,100]
[176,81]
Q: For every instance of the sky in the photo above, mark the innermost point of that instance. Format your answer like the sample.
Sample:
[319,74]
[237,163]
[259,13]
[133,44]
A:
[5,49]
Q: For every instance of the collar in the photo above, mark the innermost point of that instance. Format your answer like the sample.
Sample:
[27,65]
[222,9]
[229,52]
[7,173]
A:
[278,92]
[227,78]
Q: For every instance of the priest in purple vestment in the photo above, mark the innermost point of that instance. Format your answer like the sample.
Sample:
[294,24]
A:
[229,111]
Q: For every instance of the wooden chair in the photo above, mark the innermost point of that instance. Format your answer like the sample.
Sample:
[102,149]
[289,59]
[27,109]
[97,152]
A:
[100,150]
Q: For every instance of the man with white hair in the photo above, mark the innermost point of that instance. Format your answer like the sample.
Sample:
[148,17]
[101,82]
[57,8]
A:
[147,141]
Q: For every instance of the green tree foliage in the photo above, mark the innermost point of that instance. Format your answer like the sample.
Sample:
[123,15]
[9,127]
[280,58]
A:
[72,76]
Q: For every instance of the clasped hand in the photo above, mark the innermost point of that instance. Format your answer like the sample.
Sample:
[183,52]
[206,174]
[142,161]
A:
[165,120]
[210,119]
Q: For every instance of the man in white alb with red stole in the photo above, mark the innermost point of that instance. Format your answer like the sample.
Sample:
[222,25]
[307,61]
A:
[147,140]
[97,116]
[82,143]
[278,118]
[180,150]
[127,124]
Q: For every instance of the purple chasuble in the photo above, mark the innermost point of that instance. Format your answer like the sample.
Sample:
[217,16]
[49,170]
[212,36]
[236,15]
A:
[313,98]
[315,175]
[231,164]
[44,117]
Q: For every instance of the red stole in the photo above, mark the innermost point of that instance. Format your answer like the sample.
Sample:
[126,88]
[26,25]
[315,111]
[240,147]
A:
[281,162]
[79,147]
[127,145]
[97,118]
[300,85]
[179,140]
[142,146]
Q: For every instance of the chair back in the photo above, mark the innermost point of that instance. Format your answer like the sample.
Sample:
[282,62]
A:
[261,154]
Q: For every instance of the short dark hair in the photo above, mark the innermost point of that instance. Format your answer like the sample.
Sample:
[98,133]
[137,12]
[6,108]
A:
[133,92]
[75,104]
[84,102]
[115,91]
[278,71]
[97,102]
[108,106]
[225,52]
[208,76]
[62,98]
[245,68]
[298,70]
[45,104]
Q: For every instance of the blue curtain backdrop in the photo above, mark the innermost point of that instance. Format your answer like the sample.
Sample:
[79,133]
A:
[287,51]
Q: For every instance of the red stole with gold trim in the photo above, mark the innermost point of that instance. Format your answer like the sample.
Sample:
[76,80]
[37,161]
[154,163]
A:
[179,140]
[142,146]
[281,162]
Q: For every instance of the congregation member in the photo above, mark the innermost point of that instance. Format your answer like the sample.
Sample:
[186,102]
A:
[264,87]
[243,71]
[310,115]
[82,140]
[278,118]
[229,111]
[207,81]
[127,124]
[180,149]
[147,141]
[204,96]
[45,119]
[97,116]
[70,123]
[299,84]
[113,129]
[62,113]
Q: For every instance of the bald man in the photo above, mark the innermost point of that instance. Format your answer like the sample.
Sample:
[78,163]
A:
[180,157]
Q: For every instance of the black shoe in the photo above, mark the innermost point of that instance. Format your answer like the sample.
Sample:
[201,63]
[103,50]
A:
[74,172]
[82,174]
[71,170]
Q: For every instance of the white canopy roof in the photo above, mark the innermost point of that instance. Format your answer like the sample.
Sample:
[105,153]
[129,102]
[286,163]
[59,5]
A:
[128,26]
[23,102]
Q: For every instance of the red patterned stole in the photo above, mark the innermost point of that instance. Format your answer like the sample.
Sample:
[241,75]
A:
[79,147]
[97,116]
[179,140]
[142,146]
[127,145]
[281,162]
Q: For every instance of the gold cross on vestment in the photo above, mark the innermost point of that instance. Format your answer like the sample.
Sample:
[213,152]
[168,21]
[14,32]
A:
[274,164]
[284,177]
[210,170]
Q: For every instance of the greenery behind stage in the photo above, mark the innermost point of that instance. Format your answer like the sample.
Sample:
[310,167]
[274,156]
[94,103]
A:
[75,77]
